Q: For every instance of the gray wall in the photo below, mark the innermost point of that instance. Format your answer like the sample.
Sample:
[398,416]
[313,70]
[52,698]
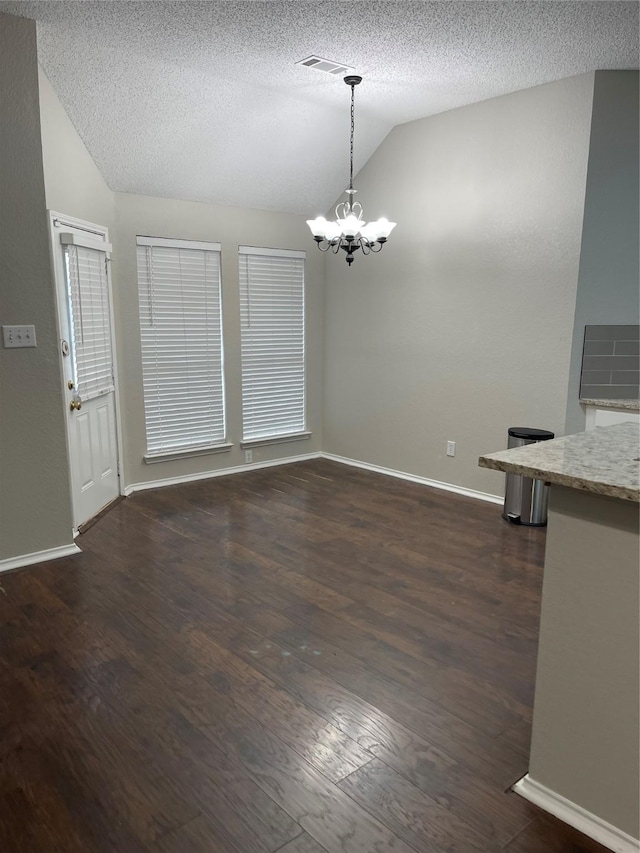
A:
[462,325]
[584,744]
[231,227]
[35,508]
[73,184]
[608,288]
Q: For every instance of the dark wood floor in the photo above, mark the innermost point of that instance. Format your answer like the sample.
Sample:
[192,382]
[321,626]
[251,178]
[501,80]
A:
[304,659]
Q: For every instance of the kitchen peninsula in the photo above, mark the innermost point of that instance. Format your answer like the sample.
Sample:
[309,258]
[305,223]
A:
[585,740]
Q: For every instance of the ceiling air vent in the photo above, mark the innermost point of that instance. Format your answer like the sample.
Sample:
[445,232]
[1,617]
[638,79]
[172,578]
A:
[326,65]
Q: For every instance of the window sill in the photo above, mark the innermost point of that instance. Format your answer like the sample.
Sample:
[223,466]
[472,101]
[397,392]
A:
[169,455]
[276,439]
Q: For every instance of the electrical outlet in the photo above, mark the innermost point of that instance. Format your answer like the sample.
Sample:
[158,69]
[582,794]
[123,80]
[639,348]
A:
[248,456]
[19,336]
[451,448]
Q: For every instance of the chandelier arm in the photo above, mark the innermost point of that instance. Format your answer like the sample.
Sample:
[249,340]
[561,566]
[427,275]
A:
[369,246]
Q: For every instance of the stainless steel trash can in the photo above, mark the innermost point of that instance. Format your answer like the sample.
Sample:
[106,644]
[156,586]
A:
[526,499]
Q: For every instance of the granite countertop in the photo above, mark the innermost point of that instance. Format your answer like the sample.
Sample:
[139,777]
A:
[604,460]
[630,405]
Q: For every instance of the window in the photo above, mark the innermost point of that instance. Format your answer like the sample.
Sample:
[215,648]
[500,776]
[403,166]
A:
[272,344]
[182,352]
[89,315]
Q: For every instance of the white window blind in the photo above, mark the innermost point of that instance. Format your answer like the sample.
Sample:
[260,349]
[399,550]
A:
[272,342]
[90,318]
[182,348]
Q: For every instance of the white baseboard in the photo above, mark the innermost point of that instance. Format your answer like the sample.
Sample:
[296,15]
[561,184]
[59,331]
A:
[253,466]
[222,472]
[577,817]
[38,557]
[414,478]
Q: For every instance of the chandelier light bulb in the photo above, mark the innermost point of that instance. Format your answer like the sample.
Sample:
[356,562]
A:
[383,228]
[350,226]
[332,231]
[318,226]
[349,231]
[369,232]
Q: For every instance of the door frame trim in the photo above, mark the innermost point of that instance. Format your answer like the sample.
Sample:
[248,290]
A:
[57,220]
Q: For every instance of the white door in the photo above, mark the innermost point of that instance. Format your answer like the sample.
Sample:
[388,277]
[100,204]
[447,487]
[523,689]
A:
[81,256]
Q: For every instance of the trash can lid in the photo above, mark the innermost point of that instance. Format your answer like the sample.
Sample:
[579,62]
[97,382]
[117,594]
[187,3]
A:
[527,432]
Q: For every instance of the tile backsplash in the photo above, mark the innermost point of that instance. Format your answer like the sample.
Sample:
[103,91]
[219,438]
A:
[611,363]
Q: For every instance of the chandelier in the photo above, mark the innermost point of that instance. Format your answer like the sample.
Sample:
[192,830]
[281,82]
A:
[349,231]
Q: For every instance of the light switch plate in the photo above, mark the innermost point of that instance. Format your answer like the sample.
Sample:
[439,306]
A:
[19,336]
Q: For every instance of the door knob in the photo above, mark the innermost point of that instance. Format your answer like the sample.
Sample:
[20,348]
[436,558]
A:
[75,405]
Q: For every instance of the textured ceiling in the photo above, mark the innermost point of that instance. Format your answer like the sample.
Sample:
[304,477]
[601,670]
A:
[203,101]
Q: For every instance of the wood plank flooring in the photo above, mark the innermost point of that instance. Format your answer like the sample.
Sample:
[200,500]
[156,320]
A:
[304,659]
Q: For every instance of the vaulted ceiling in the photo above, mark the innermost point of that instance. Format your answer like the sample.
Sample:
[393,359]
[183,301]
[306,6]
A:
[204,101]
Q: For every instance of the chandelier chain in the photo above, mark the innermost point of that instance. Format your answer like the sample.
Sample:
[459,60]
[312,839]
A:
[353,88]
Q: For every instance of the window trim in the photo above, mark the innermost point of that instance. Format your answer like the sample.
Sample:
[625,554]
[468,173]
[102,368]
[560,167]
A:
[168,455]
[275,439]
[273,253]
[172,243]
